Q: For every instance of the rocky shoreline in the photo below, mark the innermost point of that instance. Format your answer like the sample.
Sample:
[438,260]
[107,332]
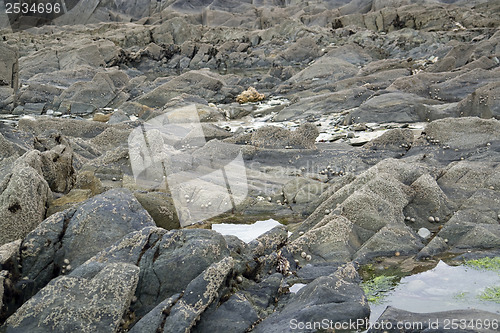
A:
[373,138]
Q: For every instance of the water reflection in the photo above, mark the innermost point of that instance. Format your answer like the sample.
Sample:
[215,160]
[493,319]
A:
[441,289]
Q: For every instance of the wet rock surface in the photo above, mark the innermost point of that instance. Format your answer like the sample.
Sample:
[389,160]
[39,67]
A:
[370,129]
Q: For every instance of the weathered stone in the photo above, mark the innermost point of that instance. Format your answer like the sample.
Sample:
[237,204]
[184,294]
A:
[394,139]
[333,239]
[84,304]
[389,240]
[161,208]
[336,297]
[428,200]
[199,294]
[24,195]
[275,137]
[79,233]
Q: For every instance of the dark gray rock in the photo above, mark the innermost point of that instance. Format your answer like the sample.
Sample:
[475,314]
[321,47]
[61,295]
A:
[396,139]
[154,320]
[73,303]
[389,240]
[336,297]
[333,239]
[118,117]
[202,82]
[7,99]
[462,179]
[428,201]
[482,103]
[235,315]
[275,137]
[66,127]
[458,88]
[396,107]
[169,261]
[161,208]
[7,148]
[324,103]
[464,133]
[436,246]
[24,196]
[438,323]
[199,294]
[464,235]
[268,242]
[75,235]
[105,90]
[244,308]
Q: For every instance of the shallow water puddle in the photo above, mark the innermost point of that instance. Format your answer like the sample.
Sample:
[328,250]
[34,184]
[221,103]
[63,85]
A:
[246,232]
[442,288]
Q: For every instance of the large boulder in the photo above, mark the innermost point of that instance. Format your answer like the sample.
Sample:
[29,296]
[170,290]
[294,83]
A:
[464,133]
[199,82]
[169,261]
[333,239]
[75,235]
[482,103]
[105,90]
[79,303]
[337,297]
[396,107]
[275,137]
[24,196]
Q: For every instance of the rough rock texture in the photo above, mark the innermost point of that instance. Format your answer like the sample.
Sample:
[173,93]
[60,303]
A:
[79,303]
[158,254]
[24,196]
[379,118]
[77,234]
[336,297]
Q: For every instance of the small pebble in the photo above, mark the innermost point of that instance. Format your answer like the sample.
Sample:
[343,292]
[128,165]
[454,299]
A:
[397,254]
[303,254]
[308,257]
[424,232]
[437,219]
[301,233]
[431,219]
[68,268]
[66,261]
[239,279]
[413,220]
[407,218]
[327,211]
